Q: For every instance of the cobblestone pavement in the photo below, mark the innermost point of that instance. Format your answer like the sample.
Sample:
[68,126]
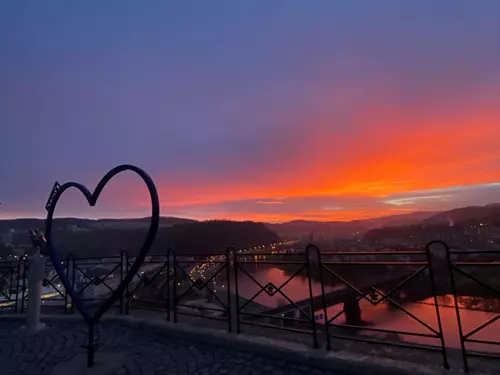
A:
[142,352]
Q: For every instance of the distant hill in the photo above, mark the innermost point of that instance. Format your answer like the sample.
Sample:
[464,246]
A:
[302,228]
[142,222]
[415,235]
[184,234]
[193,237]
[490,213]
[215,236]
[397,220]
[449,226]
[25,224]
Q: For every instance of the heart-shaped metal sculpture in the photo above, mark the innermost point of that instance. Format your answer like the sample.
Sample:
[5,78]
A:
[57,191]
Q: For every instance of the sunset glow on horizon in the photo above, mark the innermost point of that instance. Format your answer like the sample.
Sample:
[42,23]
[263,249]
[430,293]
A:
[260,111]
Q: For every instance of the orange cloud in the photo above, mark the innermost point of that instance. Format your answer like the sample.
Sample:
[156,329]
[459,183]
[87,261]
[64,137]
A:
[383,150]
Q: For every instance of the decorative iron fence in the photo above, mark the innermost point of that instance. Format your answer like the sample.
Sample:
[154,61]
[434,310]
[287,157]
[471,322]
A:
[290,314]
[388,277]
[468,271]
[53,292]
[148,288]
[10,278]
[194,292]
[95,279]
[328,298]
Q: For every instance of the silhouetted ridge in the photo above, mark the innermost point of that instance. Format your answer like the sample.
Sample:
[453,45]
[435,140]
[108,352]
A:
[197,237]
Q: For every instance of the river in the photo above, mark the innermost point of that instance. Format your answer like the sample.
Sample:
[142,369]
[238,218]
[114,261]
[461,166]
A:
[385,315]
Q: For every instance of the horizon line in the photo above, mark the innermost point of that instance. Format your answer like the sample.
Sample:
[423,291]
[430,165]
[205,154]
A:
[227,218]
[35,217]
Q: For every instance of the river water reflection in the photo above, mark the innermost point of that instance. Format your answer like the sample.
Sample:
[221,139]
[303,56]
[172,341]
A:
[384,315]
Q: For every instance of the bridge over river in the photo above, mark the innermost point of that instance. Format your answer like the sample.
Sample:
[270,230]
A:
[348,295]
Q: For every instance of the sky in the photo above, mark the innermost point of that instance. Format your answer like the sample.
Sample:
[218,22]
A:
[257,110]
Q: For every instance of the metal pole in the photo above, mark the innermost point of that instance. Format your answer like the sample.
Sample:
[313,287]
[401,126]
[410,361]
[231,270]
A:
[18,284]
[436,304]
[229,251]
[122,256]
[167,285]
[237,293]
[127,289]
[24,286]
[90,348]
[72,261]
[323,298]
[175,286]
[311,297]
[455,301]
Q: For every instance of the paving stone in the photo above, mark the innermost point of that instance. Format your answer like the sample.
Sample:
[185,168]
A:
[145,352]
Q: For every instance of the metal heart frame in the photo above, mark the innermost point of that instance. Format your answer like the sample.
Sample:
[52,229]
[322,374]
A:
[57,191]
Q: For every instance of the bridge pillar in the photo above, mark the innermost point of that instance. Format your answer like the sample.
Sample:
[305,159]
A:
[352,311]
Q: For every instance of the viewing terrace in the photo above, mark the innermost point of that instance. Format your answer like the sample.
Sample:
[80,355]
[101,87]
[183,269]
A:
[277,310]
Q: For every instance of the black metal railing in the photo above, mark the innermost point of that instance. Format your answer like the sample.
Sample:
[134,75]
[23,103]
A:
[327,297]
[148,289]
[10,277]
[291,314]
[95,279]
[467,271]
[383,284]
[54,292]
[195,274]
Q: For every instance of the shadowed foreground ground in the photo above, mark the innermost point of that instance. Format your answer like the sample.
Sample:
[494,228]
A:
[131,350]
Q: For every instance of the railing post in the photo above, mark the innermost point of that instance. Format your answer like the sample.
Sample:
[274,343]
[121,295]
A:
[453,286]
[237,293]
[308,255]
[11,282]
[127,289]
[121,278]
[70,274]
[23,292]
[174,265]
[431,266]
[323,298]
[167,284]
[230,251]
[18,284]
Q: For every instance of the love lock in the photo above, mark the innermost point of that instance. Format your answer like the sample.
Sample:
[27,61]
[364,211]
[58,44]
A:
[92,319]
